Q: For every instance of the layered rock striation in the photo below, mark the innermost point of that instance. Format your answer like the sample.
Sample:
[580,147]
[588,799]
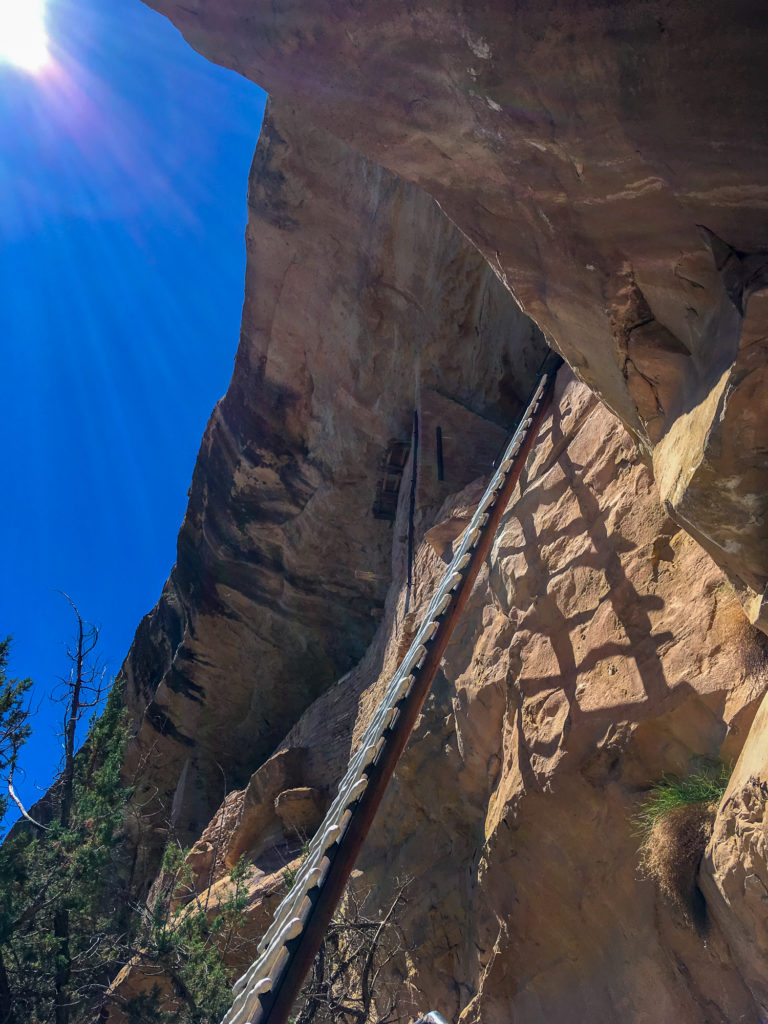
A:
[362,304]
[605,165]
[610,162]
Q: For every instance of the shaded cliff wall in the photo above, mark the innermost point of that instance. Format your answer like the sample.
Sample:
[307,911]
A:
[581,146]
[360,297]
[602,647]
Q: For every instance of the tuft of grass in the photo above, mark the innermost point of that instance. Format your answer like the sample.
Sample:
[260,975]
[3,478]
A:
[703,787]
[675,824]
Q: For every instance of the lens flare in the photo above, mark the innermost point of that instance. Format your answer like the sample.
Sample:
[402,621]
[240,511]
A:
[23,38]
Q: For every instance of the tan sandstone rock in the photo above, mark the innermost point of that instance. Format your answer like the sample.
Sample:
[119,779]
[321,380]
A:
[602,649]
[610,161]
[734,875]
[301,810]
[360,296]
[598,654]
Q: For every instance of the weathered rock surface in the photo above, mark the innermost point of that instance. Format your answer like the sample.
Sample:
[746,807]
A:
[600,653]
[610,161]
[601,649]
[360,296]
[734,875]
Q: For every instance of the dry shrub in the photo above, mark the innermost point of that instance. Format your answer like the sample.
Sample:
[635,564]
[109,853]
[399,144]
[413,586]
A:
[672,851]
[358,976]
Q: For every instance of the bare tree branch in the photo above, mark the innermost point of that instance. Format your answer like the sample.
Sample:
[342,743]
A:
[20,805]
[347,985]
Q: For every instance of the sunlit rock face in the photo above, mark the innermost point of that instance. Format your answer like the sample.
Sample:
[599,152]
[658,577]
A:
[360,295]
[601,649]
[578,147]
[734,874]
[610,162]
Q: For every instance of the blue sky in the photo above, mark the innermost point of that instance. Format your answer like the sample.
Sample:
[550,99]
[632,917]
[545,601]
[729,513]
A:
[123,176]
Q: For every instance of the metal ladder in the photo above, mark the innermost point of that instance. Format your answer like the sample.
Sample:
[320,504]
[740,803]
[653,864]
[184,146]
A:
[267,991]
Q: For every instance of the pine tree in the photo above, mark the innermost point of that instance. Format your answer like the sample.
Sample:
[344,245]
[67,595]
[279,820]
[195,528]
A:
[14,730]
[67,921]
[62,902]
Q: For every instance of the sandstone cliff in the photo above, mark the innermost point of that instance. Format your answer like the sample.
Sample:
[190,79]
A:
[602,648]
[605,644]
[362,302]
[610,161]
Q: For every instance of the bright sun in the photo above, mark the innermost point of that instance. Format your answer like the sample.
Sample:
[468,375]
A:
[23,39]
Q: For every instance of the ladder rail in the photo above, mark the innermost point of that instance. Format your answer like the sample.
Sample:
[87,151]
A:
[265,994]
